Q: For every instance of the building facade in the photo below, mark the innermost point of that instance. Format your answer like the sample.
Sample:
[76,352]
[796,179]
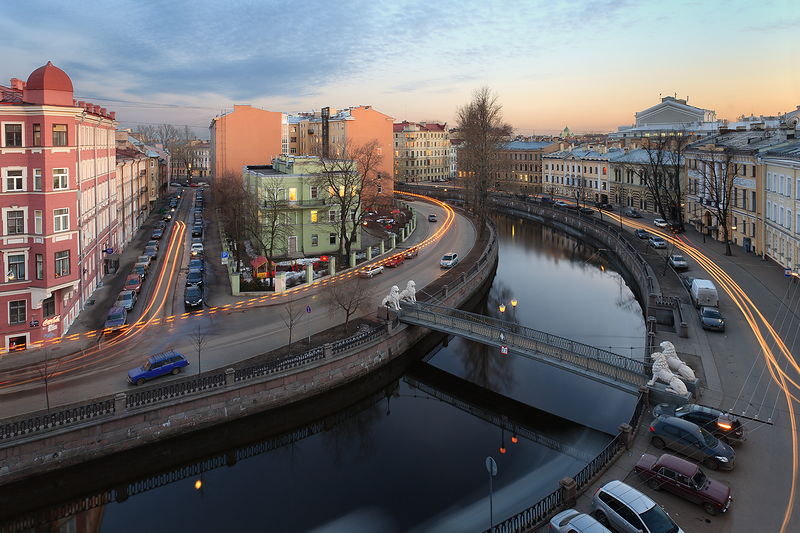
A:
[57,165]
[245,136]
[578,174]
[421,152]
[522,166]
[782,214]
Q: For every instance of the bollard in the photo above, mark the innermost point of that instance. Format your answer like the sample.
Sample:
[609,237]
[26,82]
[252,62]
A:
[352,259]
[627,435]
[569,491]
[332,265]
[230,375]
[683,330]
[393,243]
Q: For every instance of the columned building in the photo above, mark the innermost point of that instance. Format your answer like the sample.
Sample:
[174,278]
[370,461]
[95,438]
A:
[578,174]
[421,152]
[58,204]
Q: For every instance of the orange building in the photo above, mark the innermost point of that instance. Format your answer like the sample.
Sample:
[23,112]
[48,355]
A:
[245,136]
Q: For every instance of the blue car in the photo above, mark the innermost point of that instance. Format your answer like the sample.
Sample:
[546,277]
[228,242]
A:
[196,264]
[157,365]
[117,316]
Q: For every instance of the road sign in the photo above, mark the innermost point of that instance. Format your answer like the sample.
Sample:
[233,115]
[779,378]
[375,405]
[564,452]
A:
[308,309]
[504,350]
[225,255]
[491,466]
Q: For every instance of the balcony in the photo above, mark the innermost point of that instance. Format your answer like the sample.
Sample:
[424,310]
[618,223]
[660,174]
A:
[282,204]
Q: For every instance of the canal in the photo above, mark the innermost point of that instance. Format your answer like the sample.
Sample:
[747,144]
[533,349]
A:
[412,459]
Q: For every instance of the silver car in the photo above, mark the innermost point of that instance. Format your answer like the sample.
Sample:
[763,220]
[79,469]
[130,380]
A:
[629,511]
[572,521]
[678,262]
[657,242]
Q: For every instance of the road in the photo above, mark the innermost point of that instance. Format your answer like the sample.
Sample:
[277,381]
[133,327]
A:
[234,332]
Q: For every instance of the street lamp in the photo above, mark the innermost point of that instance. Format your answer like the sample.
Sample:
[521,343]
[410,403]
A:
[491,467]
[514,303]
[502,308]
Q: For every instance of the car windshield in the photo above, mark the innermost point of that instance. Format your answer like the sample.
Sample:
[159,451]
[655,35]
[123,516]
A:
[146,365]
[124,297]
[710,439]
[677,258]
[447,258]
[657,521]
[115,316]
[710,312]
[699,479]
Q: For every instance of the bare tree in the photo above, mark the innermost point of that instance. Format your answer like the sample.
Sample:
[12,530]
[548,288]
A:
[716,174]
[47,369]
[347,296]
[484,133]
[229,197]
[177,141]
[264,214]
[199,340]
[292,312]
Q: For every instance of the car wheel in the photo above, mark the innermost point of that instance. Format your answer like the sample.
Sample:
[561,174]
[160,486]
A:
[711,464]
[710,508]
[654,484]
[601,517]
[658,442]
[140,381]
[176,371]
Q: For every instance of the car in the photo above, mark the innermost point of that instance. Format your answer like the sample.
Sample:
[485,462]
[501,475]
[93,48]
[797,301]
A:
[161,224]
[197,249]
[687,282]
[157,365]
[197,240]
[193,185]
[661,223]
[174,184]
[632,213]
[133,283]
[560,203]
[194,277]
[675,228]
[370,271]
[642,234]
[115,319]
[157,234]
[193,296]
[628,510]
[657,242]
[684,479]
[202,184]
[140,269]
[126,299]
[712,319]
[145,259]
[411,253]
[395,261]
[604,206]
[692,441]
[678,262]
[196,264]
[431,218]
[185,183]
[586,210]
[167,217]
[572,521]
[722,425]
[151,252]
[449,260]
[151,243]
[197,230]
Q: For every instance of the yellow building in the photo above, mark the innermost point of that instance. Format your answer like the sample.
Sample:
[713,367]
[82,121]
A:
[421,152]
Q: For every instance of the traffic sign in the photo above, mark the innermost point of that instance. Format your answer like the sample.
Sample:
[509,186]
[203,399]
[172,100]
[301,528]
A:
[504,350]
[491,466]
[109,250]
[308,309]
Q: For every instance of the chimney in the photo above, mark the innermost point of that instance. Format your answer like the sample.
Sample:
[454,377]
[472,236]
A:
[112,115]
[19,85]
[103,111]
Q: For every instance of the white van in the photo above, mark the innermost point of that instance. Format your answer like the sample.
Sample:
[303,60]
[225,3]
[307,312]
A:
[704,293]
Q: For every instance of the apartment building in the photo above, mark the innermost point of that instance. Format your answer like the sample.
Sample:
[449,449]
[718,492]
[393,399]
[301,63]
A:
[57,165]
[578,173]
[245,136]
[522,166]
[421,152]
[782,213]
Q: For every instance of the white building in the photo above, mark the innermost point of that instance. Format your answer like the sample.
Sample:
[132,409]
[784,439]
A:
[782,214]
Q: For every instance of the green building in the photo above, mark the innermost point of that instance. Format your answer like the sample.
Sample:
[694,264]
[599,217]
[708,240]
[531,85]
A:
[299,212]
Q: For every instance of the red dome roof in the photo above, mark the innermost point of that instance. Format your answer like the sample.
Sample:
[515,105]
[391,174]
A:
[50,78]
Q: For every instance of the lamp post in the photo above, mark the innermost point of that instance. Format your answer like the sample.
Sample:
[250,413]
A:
[491,467]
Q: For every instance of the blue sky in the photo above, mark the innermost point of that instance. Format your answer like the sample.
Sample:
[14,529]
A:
[589,65]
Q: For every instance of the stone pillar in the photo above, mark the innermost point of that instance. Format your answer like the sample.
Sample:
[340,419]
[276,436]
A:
[651,324]
[230,374]
[369,253]
[230,458]
[402,234]
[119,402]
[309,272]
[327,350]
[445,290]
[352,259]
[235,285]
[383,247]
[627,435]
[280,281]
[683,330]
[121,493]
[569,491]
[393,242]
[331,265]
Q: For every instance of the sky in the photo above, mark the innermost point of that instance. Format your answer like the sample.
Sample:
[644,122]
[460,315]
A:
[589,64]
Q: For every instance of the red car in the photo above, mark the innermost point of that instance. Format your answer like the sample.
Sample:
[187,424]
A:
[685,479]
[133,283]
[395,261]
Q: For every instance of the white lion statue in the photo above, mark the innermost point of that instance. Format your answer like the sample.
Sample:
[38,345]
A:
[661,372]
[409,294]
[675,363]
[392,301]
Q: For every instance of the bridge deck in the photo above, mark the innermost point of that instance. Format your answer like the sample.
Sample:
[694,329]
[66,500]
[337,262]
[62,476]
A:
[600,365]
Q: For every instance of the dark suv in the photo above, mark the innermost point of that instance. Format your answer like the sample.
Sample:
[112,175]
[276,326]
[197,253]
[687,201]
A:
[721,425]
[157,365]
[692,441]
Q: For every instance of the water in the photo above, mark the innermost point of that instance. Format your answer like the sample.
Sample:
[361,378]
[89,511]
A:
[408,461]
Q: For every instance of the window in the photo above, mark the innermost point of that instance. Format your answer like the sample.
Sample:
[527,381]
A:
[37,179]
[314,239]
[16,267]
[39,266]
[13,135]
[332,238]
[380,187]
[60,178]
[14,180]
[37,135]
[314,192]
[37,222]
[332,215]
[49,307]
[61,219]
[15,223]
[292,194]
[60,135]
[16,312]
[62,263]
[314,215]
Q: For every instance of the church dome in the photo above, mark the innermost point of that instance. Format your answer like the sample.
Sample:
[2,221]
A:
[49,78]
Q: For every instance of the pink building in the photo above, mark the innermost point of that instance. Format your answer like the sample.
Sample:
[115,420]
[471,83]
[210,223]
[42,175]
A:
[57,165]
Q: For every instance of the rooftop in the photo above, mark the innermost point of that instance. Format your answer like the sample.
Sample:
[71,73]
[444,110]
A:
[526,145]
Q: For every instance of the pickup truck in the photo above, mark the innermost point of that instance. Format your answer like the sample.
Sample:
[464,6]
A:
[370,271]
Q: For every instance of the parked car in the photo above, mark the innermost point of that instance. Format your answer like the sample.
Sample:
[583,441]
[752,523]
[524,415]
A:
[116,318]
[586,210]
[431,218]
[722,425]
[202,184]
[371,271]
[642,234]
[692,441]
[161,224]
[560,203]
[133,283]
[606,207]
[140,269]
[632,213]
[628,510]
[678,262]
[174,184]
[196,264]
[449,260]
[197,249]
[657,242]
[144,259]
[152,243]
[157,233]
[395,261]
[684,479]
[193,296]
[660,222]
[126,300]
[157,365]
[194,277]
[151,252]
[676,228]
[703,293]
[197,230]
[197,240]
[711,318]
[572,521]
[167,217]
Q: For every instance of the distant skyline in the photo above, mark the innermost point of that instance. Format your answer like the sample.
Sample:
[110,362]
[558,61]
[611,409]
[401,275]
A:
[588,65]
